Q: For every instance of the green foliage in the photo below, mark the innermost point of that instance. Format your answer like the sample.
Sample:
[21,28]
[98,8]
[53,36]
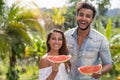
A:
[98,25]
[15,34]
[41,47]
[35,26]
[2,68]
[2,3]
[4,46]
[114,40]
[54,18]
[103,6]
[70,18]
[38,48]
[108,29]
[115,31]
[57,17]
[12,74]
[115,45]
[115,51]
[116,20]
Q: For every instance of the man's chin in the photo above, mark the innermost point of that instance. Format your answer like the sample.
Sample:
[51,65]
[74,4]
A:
[83,28]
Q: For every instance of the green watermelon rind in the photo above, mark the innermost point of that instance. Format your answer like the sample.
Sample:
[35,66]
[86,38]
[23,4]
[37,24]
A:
[84,73]
[62,61]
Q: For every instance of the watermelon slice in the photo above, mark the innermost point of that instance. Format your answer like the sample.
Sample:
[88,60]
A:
[59,59]
[89,70]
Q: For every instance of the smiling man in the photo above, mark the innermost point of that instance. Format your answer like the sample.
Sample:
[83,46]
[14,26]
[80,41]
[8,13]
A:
[86,45]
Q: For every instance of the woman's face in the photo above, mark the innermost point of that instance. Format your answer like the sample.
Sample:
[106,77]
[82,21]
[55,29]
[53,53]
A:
[55,41]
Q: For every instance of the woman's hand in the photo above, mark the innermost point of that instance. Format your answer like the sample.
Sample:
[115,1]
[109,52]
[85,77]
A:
[55,67]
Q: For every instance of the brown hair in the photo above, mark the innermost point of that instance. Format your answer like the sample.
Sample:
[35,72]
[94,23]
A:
[63,50]
[86,5]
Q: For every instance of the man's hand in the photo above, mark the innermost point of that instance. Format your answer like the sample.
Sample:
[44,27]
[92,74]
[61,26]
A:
[97,75]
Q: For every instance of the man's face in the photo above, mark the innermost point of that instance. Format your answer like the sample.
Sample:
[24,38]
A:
[84,18]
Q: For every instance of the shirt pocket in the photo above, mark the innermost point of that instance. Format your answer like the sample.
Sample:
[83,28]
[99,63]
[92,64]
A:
[72,52]
[71,49]
[92,52]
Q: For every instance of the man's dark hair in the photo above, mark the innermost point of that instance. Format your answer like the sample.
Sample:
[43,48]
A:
[86,5]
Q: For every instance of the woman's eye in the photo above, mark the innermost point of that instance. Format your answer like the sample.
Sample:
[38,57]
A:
[60,39]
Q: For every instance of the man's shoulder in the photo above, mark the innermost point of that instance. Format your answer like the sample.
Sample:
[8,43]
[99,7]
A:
[97,32]
[68,32]
[98,35]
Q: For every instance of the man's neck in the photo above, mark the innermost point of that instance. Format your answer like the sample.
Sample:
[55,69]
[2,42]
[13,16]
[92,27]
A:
[83,33]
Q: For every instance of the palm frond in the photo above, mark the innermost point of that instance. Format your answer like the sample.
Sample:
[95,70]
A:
[108,29]
[18,32]
[4,45]
[36,26]
[19,13]
[15,25]
[14,11]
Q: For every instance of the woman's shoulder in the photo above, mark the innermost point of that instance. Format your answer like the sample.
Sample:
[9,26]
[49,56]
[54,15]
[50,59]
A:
[43,58]
[43,62]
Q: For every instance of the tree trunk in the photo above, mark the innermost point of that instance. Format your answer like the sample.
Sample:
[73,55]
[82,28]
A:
[12,73]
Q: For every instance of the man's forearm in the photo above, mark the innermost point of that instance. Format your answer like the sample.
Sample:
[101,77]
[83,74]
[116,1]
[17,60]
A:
[106,68]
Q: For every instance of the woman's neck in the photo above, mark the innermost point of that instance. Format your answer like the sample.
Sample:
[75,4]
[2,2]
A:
[53,53]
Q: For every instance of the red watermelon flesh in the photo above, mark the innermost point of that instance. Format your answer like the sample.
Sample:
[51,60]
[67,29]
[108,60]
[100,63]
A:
[89,70]
[59,58]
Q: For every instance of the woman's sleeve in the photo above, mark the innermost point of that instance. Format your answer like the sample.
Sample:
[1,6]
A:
[44,73]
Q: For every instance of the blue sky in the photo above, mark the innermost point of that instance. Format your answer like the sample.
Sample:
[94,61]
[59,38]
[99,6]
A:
[60,3]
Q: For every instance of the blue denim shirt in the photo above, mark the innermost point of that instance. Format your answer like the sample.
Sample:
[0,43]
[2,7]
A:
[94,50]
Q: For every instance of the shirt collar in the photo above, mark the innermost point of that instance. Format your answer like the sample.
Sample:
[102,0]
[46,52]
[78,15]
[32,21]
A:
[90,35]
[74,32]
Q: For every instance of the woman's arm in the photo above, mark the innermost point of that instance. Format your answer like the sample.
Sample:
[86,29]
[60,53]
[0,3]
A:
[55,68]
[43,63]
[52,75]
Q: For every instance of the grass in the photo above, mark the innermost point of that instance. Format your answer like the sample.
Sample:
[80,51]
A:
[107,78]
[25,77]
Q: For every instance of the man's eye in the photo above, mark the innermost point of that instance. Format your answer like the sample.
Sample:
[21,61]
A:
[80,14]
[88,16]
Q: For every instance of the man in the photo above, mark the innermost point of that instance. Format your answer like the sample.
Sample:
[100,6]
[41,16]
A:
[86,45]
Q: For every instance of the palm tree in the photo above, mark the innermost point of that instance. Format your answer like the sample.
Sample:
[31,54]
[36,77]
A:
[15,33]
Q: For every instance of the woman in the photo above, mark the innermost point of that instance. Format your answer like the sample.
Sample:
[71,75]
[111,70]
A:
[56,45]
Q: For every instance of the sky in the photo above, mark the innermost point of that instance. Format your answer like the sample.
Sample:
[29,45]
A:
[115,3]
[60,3]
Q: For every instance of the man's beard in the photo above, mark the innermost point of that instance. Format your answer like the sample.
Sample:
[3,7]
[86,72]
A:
[83,29]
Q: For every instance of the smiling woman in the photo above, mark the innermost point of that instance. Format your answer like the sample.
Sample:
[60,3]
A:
[56,46]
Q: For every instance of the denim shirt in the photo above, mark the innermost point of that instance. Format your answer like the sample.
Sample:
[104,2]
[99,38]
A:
[94,50]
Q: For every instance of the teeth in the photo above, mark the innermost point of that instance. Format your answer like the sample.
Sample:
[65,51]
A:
[56,45]
[82,22]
